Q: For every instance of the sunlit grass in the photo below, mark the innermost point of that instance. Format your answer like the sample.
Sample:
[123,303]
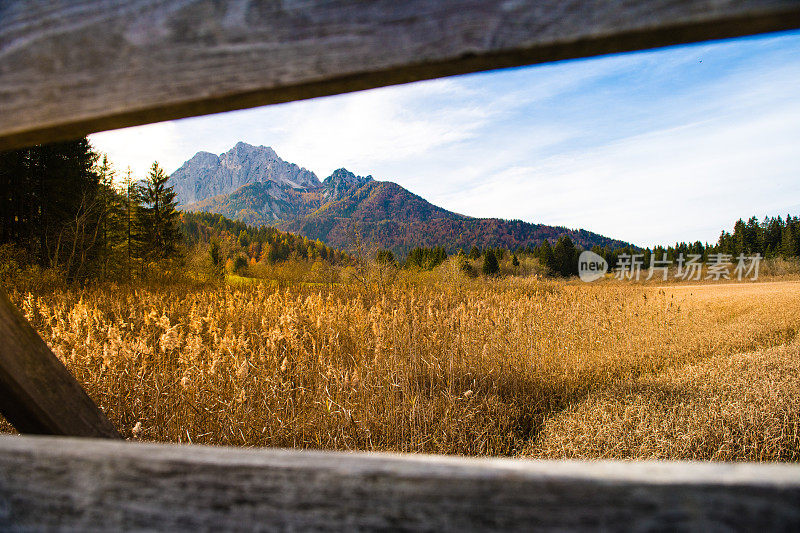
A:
[427,364]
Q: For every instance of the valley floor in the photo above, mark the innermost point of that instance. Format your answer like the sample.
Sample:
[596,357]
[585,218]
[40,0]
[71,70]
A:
[513,367]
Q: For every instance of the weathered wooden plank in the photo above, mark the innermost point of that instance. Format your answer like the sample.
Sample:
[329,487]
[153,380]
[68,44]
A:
[71,68]
[37,393]
[82,484]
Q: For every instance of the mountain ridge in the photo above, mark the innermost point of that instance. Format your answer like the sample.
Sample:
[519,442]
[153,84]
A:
[345,208]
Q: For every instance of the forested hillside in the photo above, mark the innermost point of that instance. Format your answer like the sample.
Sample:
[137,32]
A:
[391,217]
[257,244]
[345,209]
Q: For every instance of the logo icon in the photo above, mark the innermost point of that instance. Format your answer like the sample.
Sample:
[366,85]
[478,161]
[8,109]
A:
[591,266]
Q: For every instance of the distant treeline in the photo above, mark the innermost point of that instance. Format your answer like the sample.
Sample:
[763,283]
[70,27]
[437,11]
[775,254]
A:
[558,259]
[771,237]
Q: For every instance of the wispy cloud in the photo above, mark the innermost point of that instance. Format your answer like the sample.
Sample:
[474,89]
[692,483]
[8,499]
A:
[680,183]
[382,126]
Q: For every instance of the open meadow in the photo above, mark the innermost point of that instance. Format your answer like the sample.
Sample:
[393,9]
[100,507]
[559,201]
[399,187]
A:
[510,367]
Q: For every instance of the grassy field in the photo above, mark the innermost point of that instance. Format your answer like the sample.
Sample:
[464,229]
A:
[513,367]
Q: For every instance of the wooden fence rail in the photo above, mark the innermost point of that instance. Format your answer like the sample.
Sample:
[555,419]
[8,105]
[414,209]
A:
[72,68]
[51,483]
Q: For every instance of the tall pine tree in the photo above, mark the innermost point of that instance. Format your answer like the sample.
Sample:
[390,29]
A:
[565,257]
[157,233]
[490,264]
[111,217]
[545,254]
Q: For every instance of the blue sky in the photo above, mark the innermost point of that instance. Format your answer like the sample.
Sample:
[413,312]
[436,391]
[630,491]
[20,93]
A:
[650,147]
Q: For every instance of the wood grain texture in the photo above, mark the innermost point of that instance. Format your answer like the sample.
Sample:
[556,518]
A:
[51,483]
[71,68]
[37,393]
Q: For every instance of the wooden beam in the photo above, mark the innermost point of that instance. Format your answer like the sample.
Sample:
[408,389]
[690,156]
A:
[83,484]
[71,68]
[37,393]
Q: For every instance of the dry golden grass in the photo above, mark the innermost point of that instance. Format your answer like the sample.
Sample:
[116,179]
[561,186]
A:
[509,367]
[741,407]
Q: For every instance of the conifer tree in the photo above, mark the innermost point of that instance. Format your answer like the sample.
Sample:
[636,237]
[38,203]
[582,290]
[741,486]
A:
[490,264]
[129,190]
[111,215]
[564,257]
[48,205]
[157,232]
[788,244]
[217,264]
[546,256]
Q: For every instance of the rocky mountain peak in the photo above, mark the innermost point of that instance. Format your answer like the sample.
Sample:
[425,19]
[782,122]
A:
[243,150]
[206,175]
[204,158]
[343,175]
[342,181]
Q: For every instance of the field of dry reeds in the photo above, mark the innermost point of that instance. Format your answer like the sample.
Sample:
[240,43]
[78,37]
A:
[513,367]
